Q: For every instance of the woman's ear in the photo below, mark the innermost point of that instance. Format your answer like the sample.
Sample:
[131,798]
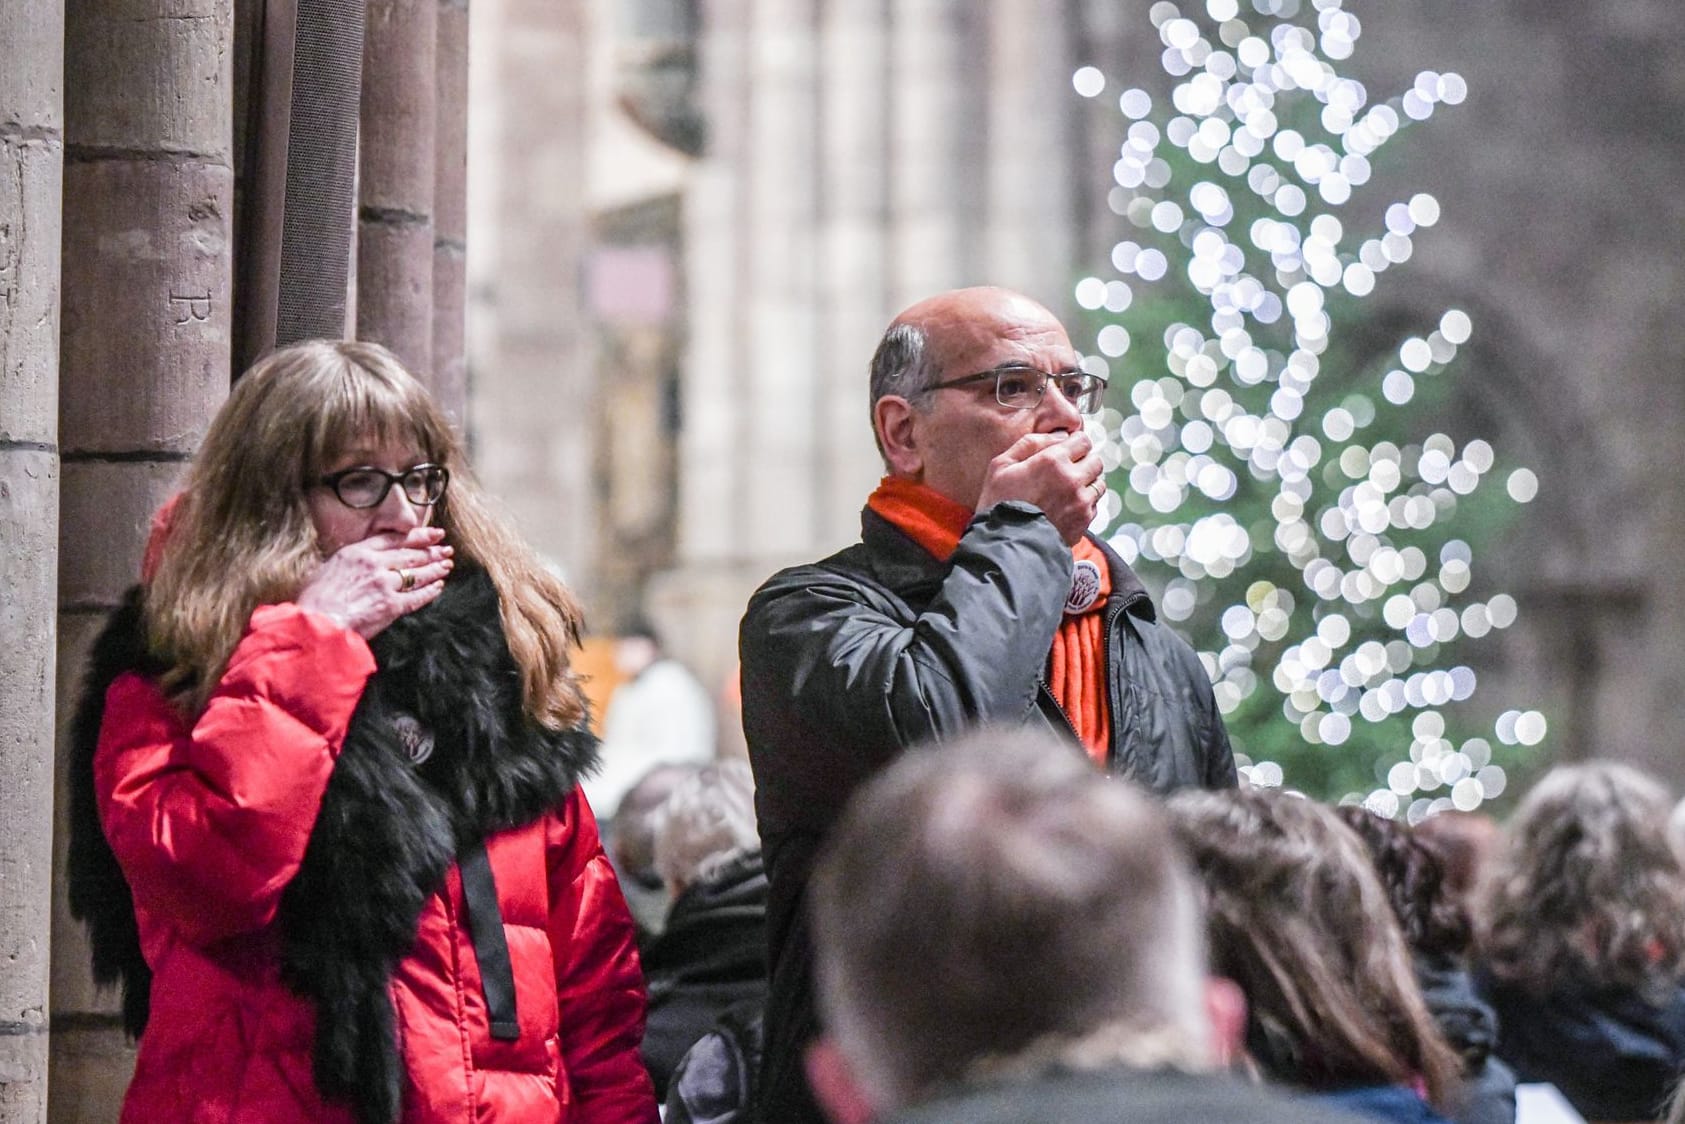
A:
[896,422]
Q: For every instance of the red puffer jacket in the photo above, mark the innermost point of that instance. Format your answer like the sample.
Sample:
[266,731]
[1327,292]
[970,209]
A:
[211,824]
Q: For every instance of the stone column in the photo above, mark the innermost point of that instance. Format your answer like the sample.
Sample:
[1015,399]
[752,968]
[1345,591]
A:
[148,192]
[396,170]
[718,563]
[780,314]
[298,104]
[931,121]
[1030,221]
[711,524]
[450,212]
[854,260]
[535,402]
[31,175]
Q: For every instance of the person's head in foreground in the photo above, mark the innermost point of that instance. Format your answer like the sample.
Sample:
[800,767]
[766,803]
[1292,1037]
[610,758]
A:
[330,476]
[1297,918]
[1585,889]
[995,907]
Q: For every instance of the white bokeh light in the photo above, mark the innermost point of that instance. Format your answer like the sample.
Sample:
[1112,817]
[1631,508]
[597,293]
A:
[1265,469]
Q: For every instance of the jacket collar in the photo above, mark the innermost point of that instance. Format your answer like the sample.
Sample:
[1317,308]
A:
[913,574]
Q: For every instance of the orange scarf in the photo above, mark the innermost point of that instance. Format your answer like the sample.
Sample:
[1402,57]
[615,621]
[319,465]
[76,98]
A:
[1076,671]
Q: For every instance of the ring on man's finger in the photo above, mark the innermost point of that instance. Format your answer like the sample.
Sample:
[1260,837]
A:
[406,580]
[1099,487]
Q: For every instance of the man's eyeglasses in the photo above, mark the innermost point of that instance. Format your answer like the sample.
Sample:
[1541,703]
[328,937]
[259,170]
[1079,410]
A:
[364,487]
[1021,388]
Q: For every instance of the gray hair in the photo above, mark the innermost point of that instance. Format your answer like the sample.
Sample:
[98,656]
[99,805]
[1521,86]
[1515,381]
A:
[999,903]
[707,821]
[901,365]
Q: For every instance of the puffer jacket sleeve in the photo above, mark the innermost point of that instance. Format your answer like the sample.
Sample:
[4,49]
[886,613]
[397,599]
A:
[858,679]
[209,821]
[599,982]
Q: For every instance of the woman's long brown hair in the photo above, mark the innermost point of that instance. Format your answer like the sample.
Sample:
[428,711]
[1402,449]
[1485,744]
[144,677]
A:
[1298,919]
[241,535]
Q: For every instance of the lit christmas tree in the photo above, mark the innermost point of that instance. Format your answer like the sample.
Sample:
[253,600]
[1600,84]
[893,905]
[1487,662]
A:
[1278,474]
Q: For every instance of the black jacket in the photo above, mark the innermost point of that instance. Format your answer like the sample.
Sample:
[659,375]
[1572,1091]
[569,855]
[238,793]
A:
[1471,1028]
[711,956]
[848,661]
[1615,1054]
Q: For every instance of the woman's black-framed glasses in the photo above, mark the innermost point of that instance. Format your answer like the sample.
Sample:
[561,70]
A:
[365,487]
[1021,388]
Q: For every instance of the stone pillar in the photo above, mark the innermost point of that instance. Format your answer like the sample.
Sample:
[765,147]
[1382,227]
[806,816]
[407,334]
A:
[31,173]
[931,118]
[854,260]
[1032,111]
[450,212]
[300,76]
[396,171]
[711,446]
[536,400]
[718,563]
[148,193]
[780,311]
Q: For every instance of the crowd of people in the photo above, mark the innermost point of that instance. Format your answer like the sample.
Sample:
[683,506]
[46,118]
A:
[1002,933]
[334,821]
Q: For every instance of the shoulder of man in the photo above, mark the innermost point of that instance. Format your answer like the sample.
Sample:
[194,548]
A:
[849,566]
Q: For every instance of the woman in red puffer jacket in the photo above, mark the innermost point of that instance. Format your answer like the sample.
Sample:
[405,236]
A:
[327,830]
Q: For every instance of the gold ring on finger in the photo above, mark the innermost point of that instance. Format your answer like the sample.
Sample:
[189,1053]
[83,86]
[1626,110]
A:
[406,580]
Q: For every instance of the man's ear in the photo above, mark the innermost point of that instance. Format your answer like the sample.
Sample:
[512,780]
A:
[895,420]
[834,1085]
[1225,1003]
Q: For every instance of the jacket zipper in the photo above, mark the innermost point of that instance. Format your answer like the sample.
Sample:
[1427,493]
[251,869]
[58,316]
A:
[1112,700]
[1106,655]
[1071,727]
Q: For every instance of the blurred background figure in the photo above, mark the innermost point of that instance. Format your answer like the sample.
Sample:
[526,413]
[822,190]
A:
[1439,932]
[1583,942]
[1463,842]
[1298,919]
[630,842]
[660,715]
[1003,934]
[711,954]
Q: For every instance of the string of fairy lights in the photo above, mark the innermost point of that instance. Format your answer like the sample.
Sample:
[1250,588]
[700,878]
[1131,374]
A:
[1243,402]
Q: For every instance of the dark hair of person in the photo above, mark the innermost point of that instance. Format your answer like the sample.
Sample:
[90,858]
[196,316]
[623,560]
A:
[1297,917]
[1461,841]
[1586,889]
[1433,920]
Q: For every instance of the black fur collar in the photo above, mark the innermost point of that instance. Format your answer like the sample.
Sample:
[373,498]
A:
[439,755]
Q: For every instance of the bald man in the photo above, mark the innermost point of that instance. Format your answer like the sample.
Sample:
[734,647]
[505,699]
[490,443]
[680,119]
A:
[976,595]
